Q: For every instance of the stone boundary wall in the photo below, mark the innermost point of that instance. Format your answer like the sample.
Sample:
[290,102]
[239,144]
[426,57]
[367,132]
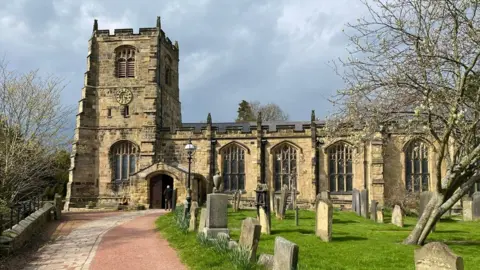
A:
[18,236]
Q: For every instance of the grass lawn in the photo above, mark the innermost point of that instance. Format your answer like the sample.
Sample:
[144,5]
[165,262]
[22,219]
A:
[357,243]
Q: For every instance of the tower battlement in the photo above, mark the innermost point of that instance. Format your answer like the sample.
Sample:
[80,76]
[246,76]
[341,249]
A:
[128,32]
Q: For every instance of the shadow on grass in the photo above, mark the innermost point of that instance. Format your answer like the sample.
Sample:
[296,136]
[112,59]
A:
[338,221]
[348,238]
[302,231]
[462,243]
[450,231]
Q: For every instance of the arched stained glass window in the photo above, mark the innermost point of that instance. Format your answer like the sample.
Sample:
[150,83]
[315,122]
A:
[285,166]
[233,159]
[417,174]
[124,157]
[340,167]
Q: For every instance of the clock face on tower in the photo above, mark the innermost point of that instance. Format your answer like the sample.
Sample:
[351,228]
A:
[124,96]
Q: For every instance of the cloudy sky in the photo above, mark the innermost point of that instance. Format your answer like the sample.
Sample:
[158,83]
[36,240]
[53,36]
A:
[266,50]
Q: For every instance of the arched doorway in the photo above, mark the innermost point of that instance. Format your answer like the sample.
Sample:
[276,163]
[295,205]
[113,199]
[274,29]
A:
[158,184]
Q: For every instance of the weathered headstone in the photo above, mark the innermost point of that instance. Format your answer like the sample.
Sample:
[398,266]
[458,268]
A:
[203,219]
[397,216]
[476,205]
[217,215]
[232,244]
[264,220]
[424,199]
[364,203]
[285,256]
[282,207]
[379,214]
[324,218]
[354,201]
[174,199]
[277,206]
[234,203]
[437,256]
[266,261]
[373,211]
[467,209]
[357,202]
[250,236]
[239,199]
[58,206]
[193,217]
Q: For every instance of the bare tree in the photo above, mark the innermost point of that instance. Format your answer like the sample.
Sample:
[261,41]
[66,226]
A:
[419,56]
[32,122]
[270,111]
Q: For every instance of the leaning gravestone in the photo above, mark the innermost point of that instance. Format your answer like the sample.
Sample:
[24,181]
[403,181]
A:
[264,220]
[193,217]
[250,236]
[285,255]
[203,219]
[364,203]
[476,205]
[467,210]
[397,216]
[357,202]
[437,256]
[373,211]
[217,215]
[324,218]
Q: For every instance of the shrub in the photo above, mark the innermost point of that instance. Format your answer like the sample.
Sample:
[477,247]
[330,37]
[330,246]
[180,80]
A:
[181,222]
[240,258]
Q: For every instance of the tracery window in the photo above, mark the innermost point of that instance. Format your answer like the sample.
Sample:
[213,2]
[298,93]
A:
[233,158]
[340,167]
[125,62]
[123,155]
[285,166]
[417,174]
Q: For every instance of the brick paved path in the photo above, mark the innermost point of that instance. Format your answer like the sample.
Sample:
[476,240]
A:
[77,249]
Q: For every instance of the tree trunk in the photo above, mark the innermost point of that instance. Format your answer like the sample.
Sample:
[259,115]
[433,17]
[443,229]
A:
[426,221]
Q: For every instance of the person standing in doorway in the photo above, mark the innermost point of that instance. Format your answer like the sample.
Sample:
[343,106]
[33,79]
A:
[168,198]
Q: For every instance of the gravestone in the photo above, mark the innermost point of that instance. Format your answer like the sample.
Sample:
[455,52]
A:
[364,203]
[356,198]
[324,218]
[354,201]
[193,217]
[282,207]
[217,215]
[264,220]
[174,199]
[277,206]
[58,206]
[250,236]
[437,256]
[397,216]
[379,214]
[266,261]
[476,205]
[232,244]
[235,199]
[203,219]
[467,210]
[239,199]
[285,255]
[424,199]
[373,211]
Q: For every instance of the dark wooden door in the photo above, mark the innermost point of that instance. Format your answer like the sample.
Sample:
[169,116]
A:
[156,192]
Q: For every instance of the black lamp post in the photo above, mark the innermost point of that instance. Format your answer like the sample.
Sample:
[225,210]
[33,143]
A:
[190,148]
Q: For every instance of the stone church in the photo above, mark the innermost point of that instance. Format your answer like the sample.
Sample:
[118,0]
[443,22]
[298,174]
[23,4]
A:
[130,140]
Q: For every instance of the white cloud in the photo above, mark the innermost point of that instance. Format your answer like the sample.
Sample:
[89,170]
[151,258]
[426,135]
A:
[270,50]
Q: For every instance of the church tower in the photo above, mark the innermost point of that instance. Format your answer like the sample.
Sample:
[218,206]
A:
[130,92]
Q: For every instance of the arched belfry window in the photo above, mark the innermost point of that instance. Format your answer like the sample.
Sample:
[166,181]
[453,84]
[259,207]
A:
[340,167]
[285,166]
[417,174]
[123,156]
[233,162]
[125,62]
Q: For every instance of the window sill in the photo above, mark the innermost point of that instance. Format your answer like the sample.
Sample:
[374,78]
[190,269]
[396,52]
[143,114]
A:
[341,192]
